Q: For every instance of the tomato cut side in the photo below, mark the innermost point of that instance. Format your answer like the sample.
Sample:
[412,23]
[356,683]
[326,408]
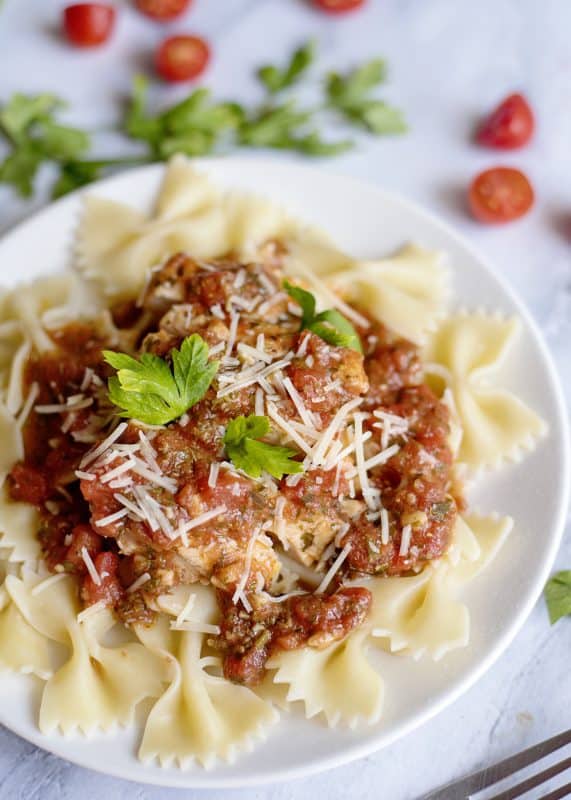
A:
[182,58]
[162,10]
[509,126]
[501,194]
[88,24]
[338,6]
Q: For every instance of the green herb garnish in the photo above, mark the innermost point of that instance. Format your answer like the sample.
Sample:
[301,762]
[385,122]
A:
[558,595]
[330,325]
[196,126]
[29,126]
[276,79]
[152,391]
[193,127]
[350,94]
[248,453]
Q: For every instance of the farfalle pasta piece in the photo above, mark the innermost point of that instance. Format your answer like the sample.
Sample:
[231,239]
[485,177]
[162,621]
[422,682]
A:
[337,681]
[465,351]
[117,245]
[419,614]
[37,304]
[422,613]
[311,254]
[407,292]
[200,716]
[97,687]
[22,648]
[478,539]
[19,524]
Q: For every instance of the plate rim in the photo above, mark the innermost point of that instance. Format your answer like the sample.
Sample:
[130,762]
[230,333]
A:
[207,778]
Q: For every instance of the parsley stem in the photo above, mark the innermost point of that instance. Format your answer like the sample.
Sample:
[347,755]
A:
[117,162]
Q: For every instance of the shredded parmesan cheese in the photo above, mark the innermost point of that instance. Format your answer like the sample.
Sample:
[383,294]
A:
[111,518]
[405,540]
[104,446]
[285,426]
[186,609]
[87,560]
[201,519]
[333,569]
[384,526]
[141,581]
[321,446]
[239,594]
[213,474]
[234,320]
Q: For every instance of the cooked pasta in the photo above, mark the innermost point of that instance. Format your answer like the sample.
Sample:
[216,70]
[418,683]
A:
[232,471]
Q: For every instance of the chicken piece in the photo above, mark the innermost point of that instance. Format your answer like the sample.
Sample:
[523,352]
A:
[308,537]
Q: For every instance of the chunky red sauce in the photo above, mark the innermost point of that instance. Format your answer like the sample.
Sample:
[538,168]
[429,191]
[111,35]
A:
[89,527]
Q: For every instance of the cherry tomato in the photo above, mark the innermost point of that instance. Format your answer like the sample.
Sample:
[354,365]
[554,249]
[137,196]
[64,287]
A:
[509,126]
[182,58]
[88,24]
[338,6]
[500,194]
[162,10]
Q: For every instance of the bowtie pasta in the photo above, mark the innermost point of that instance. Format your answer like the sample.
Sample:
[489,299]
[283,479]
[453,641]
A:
[266,494]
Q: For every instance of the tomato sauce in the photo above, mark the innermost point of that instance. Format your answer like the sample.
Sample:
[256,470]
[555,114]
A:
[83,516]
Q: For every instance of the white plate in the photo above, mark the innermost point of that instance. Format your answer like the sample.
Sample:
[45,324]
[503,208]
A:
[367,222]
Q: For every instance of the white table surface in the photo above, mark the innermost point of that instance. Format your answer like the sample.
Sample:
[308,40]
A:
[449,60]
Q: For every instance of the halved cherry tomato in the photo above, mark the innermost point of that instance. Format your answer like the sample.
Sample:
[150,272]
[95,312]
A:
[338,6]
[182,58]
[88,24]
[509,126]
[500,194]
[162,10]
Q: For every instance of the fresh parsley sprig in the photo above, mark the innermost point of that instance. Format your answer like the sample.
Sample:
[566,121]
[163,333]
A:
[193,127]
[152,391]
[558,595]
[252,456]
[276,80]
[350,95]
[196,126]
[329,325]
[29,126]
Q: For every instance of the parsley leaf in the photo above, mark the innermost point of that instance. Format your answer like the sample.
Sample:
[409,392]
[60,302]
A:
[350,95]
[193,126]
[276,126]
[19,168]
[284,127]
[558,595]
[276,79]
[29,126]
[22,111]
[252,456]
[329,325]
[305,299]
[151,391]
[60,142]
